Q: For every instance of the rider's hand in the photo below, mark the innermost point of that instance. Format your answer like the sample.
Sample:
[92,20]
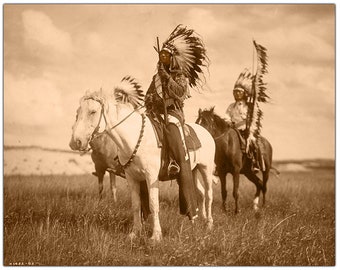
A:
[251,137]
[231,124]
[162,72]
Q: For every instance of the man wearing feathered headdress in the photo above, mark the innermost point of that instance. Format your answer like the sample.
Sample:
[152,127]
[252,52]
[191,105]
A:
[245,113]
[237,112]
[181,59]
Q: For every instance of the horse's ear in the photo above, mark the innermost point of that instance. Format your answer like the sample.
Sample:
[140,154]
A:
[199,111]
[212,109]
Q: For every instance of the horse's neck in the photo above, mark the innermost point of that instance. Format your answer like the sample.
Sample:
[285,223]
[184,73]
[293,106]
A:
[124,126]
[220,128]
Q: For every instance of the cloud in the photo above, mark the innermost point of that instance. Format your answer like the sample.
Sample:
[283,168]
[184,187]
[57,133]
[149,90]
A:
[61,55]
[43,38]
[212,25]
[34,102]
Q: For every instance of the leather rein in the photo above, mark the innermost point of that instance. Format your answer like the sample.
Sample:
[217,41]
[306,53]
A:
[96,134]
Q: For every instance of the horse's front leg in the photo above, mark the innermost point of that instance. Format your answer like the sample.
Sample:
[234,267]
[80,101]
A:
[201,194]
[113,186]
[265,178]
[153,188]
[136,207]
[223,179]
[236,183]
[100,176]
[259,186]
[207,175]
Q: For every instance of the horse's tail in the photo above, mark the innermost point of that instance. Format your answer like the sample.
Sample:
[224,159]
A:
[275,171]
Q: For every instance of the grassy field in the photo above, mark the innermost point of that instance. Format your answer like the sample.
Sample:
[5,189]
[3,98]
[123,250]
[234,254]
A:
[58,220]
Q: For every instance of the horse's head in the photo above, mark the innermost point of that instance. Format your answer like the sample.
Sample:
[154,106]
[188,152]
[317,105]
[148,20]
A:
[208,119]
[88,117]
[113,108]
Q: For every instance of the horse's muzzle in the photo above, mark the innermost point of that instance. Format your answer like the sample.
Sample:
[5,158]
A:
[75,144]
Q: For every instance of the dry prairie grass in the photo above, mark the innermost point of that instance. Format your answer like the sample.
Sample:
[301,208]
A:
[58,221]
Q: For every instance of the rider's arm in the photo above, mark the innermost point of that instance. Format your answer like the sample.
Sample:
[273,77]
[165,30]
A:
[178,87]
[227,116]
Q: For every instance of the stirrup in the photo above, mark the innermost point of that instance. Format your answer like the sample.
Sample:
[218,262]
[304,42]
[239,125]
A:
[173,168]
[256,169]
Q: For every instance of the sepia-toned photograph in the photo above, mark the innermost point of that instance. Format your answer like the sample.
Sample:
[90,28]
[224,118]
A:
[169,134]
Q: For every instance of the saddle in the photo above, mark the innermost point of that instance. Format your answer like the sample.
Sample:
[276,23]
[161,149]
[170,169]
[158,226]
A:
[255,152]
[242,140]
[191,140]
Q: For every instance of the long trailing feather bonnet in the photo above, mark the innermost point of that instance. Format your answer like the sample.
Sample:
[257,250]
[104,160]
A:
[188,54]
[258,92]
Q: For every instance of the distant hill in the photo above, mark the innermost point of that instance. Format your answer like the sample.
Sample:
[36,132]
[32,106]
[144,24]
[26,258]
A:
[31,147]
[307,164]
[36,160]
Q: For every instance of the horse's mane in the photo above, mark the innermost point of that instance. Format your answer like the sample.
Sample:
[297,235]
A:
[128,92]
[99,96]
[220,123]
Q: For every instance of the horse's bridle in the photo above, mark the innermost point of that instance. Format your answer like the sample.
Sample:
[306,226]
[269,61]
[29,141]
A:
[212,127]
[96,134]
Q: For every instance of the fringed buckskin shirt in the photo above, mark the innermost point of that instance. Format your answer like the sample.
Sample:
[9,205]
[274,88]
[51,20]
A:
[175,88]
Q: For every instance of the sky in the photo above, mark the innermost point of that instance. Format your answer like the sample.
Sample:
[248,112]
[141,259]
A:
[53,54]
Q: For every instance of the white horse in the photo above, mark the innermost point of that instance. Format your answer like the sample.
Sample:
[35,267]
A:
[135,138]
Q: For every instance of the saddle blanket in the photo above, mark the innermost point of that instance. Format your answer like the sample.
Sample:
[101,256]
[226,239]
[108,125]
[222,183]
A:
[191,140]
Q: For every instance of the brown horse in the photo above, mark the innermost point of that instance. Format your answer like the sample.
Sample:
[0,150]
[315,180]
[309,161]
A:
[229,157]
[104,153]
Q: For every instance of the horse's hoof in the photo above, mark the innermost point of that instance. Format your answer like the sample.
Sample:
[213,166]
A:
[258,215]
[210,225]
[156,237]
[131,236]
[114,199]
[256,203]
[224,207]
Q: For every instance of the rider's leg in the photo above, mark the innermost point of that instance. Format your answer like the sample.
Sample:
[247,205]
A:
[187,189]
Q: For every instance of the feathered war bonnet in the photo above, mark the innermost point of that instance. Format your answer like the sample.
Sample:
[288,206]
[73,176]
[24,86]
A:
[188,54]
[129,91]
[244,82]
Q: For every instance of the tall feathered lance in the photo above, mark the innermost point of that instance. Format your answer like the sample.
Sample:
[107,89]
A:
[166,120]
[258,92]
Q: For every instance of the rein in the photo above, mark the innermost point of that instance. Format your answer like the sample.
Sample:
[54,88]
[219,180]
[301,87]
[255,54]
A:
[137,144]
[95,133]
[126,117]
[220,136]
[121,121]
[213,126]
